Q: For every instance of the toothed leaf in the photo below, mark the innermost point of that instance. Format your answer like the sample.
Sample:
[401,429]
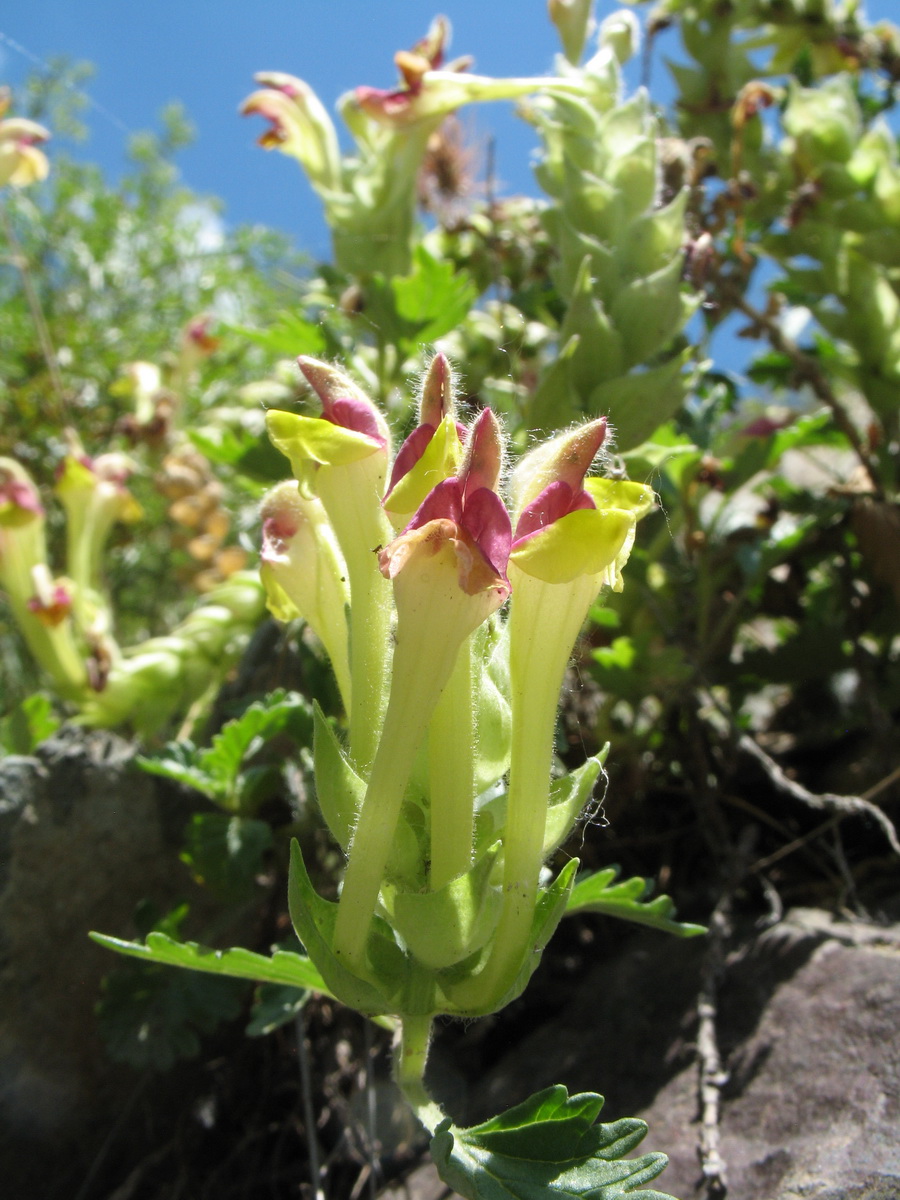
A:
[547,1148]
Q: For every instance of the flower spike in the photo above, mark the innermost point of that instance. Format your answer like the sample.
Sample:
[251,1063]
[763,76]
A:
[448,570]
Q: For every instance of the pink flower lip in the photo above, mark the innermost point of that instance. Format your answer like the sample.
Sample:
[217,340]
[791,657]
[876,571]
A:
[18,494]
[355,415]
[481,516]
[281,83]
[277,531]
[565,492]
[469,499]
[342,403]
[53,609]
[556,500]
[382,102]
[413,65]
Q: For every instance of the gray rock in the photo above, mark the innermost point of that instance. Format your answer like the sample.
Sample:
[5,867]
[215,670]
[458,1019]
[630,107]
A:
[812,1108]
[84,837]
[809,1030]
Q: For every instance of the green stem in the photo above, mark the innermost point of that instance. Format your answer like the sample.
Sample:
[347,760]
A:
[429,635]
[411,1056]
[351,495]
[545,619]
[88,523]
[53,647]
[451,774]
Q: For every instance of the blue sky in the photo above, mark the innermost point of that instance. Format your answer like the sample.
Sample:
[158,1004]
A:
[205,52]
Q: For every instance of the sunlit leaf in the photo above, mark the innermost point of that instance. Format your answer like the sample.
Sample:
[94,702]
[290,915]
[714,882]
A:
[547,1148]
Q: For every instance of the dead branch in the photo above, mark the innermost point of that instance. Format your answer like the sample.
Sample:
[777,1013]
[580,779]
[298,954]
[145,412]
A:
[825,801]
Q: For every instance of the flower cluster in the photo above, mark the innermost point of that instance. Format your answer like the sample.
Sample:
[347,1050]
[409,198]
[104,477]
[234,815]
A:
[370,199]
[67,620]
[442,795]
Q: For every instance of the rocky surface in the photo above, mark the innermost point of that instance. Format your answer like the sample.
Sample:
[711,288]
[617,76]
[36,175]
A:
[84,836]
[808,1025]
[808,1014]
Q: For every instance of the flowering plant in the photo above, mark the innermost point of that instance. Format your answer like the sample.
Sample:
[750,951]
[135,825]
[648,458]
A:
[442,796]
[370,198]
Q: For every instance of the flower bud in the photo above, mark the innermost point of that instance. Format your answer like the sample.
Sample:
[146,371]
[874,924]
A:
[433,450]
[304,573]
[301,127]
[621,32]
[572,19]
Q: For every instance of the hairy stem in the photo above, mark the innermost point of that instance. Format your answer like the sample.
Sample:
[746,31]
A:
[451,773]
[545,620]
[410,1058]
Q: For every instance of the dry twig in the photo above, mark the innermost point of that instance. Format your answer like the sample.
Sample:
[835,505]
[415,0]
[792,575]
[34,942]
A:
[712,1076]
[825,801]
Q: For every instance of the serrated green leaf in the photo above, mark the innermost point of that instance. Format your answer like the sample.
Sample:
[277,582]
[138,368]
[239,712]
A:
[434,298]
[29,724]
[547,1148]
[284,966]
[288,336]
[415,309]
[239,739]
[180,761]
[600,893]
[215,770]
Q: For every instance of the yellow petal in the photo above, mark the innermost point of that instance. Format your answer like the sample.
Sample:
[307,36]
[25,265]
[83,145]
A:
[313,439]
[584,542]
